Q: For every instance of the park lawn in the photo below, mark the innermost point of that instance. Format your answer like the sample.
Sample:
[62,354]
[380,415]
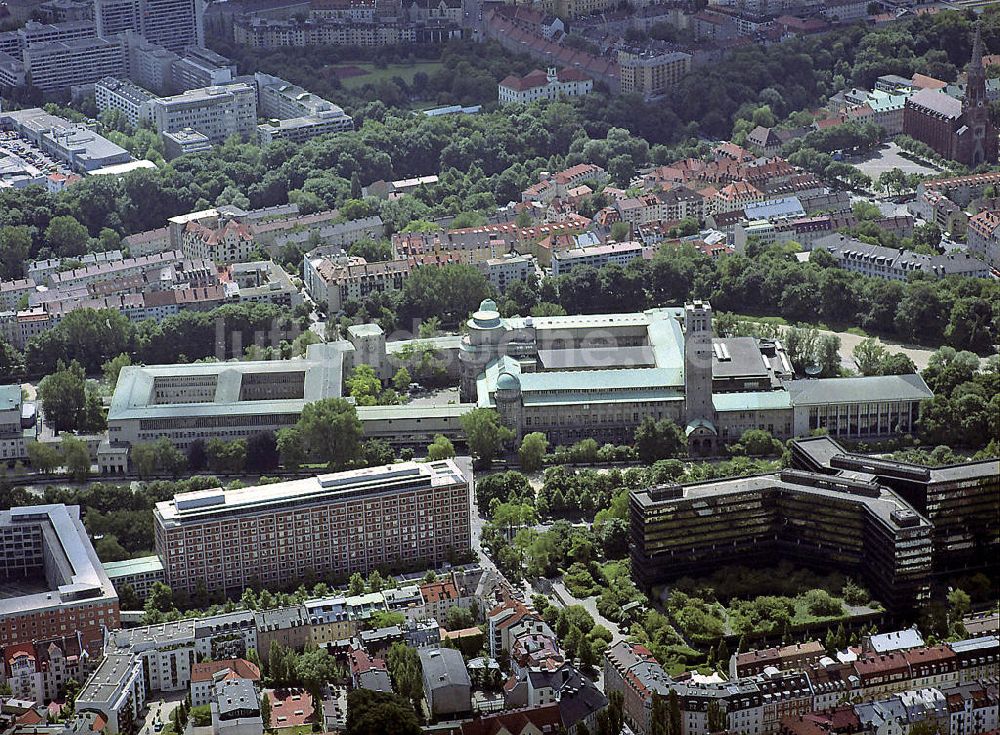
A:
[375,75]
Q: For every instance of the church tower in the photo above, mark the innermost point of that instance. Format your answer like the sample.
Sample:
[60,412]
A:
[698,408]
[975,109]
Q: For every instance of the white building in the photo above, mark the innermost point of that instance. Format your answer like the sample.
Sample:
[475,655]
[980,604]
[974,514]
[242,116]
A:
[596,256]
[236,708]
[540,85]
[297,114]
[130,99]
[63,64]
[215,112]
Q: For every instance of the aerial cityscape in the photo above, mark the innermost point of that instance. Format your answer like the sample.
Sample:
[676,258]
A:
[500,367]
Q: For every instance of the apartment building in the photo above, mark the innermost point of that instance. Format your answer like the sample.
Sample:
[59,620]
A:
[983,236]
[62,64]
[115,692]
[221,241]
[260,32]
[88,276]
[332,525]
[882,262]
[52,580]
[172,24]
[200,67]
[129,99]
[544,85]
[845,524]
[12,433]
[215,112]
[351,279]
[39,671]
[597,256]
[652,74]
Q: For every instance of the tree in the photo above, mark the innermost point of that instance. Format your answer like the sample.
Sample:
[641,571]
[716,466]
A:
[828,354]
[869,354]
[380,713]
[620,231]
[440,448]
[44,457]
[262,452]
[716,717]
[15,247]
[401,380]
[113,367]
[227,457]
[658,439]
[265,711]
[160,598]
[63,394]
[66,236]
[451,291]
[532,452]
[484,433]
[356,584]
[330,430]
[403,663]
[458,618]
[960,604]
[291,448]
[757,443]
[76,457]
[364,386]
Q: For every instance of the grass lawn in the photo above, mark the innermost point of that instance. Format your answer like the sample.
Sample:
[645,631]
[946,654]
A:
[373,75]
[297,730]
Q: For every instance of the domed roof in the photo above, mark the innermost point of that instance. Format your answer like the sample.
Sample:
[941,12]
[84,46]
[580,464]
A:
[508,381]
[488,316]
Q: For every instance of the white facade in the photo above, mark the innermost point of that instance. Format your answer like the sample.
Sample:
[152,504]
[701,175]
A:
[539,85]
[215,112]
[129,99]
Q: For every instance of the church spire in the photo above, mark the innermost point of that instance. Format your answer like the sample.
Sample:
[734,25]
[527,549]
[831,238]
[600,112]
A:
[977,49]
[975,91]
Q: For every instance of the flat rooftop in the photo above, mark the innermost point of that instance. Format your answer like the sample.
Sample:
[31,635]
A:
[879,500]
[128,567]
[75,568]
[202,505]
[135,397]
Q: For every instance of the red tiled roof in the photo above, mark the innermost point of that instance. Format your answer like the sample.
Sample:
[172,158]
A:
[244,669]
[543,719]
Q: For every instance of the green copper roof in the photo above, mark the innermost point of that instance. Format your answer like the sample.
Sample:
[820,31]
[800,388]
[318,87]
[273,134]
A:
[752,401]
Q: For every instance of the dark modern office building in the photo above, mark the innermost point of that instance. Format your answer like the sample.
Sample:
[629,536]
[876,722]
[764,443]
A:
[961,500]
[822,521]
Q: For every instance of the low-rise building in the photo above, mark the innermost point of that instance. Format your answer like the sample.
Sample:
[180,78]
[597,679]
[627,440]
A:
[447,685]
[139,574]
[206,675]
[597,256]
[882,262]
[335,283]
[74,144]
[541,85]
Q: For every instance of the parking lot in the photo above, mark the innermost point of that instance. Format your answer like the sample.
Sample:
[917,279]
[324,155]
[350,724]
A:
[886,158]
